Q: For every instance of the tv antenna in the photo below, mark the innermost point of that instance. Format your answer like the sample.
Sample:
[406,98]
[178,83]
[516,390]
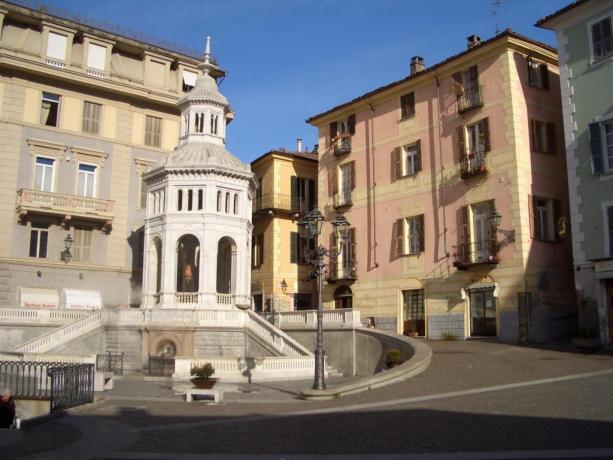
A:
[496,4]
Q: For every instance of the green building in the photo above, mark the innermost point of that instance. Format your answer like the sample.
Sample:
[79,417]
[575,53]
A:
[584,32]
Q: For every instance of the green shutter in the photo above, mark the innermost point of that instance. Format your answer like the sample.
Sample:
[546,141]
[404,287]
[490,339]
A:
[294,193]
[596,148]
[293,253]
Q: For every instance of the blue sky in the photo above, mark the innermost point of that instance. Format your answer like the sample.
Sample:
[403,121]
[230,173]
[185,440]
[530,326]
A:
[290,59]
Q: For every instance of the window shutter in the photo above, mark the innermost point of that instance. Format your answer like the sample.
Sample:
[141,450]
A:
[551,138]
[491,206]
[529,65]
[294,193]
[351,124]
[485,129]
[465,224]
[531,203]
[473,75]
[533,146]
[352,243]
[333,130]
[398,237]
[411,97]
[422,233]
[544,76]
[293,251]
[312,194]
[352,168]
[396,163]
[404,109]
[457,83]
[596,148]
[461,142]
[418,156]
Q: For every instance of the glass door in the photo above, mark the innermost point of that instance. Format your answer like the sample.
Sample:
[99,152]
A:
[482,313]
[480,228]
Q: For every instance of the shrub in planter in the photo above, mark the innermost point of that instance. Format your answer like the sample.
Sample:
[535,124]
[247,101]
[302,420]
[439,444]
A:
[393,357]
[202,376]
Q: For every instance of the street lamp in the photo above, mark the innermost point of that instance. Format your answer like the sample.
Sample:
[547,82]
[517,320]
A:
[66,255]
[495,219]
[310,228]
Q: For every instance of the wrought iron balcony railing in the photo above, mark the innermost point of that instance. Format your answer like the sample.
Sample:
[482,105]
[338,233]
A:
[342,199]
[473,164]
[68,206]
[477,252]
[282,202]
[469,98]
[342,144]
[343,271]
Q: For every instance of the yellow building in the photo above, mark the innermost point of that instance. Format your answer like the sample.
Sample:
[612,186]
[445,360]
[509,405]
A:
[280,277]
[84,111]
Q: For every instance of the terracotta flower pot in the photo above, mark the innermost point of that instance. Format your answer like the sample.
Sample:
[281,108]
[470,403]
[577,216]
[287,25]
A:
[202,383]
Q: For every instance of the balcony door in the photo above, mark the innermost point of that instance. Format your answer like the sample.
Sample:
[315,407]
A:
[482,312]
[87,180]
[481,224]
[346,182]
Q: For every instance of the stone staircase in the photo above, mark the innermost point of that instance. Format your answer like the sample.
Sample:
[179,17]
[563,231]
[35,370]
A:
[333,372]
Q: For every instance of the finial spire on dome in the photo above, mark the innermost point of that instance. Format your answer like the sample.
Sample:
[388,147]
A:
[209,63]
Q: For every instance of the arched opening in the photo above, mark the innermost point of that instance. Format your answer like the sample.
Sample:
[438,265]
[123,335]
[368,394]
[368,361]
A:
[226,265]
[155,267]
[235,203]
[219,201]
[188,255]
[227,202]
[343,297]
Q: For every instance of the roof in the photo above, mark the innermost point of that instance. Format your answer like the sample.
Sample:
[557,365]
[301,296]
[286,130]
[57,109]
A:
[301,155]
[541,22]
[504,34]
[203,155]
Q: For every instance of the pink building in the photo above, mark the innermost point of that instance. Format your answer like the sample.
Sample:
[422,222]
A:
[454,182]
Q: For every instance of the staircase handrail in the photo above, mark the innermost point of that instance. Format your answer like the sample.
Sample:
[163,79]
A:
[281,341]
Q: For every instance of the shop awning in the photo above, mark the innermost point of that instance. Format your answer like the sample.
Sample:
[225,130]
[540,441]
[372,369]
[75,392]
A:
[80,299]
[189,78]
[37,297]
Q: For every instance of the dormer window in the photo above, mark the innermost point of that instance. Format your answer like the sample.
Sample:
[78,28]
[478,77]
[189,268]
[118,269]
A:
[96,59]
[56,49]
[189,80]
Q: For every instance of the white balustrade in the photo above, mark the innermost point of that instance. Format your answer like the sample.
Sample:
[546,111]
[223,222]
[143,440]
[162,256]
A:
[281,341]
[225,299]
[187,297]
[41,316]
[307,319]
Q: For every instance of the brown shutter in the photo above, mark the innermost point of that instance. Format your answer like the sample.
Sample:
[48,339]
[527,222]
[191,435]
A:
[530,74]
[396,164]
[557,214]
[422,234]
[531,201]
[551,137]
[473,75]
[544,75]
[332,182]
[398,238]
[491,205]
[333,243]
[457,83]
[485,129]
[465,225]
[352,167]
[533,146]
[333,130]
[461,142]
[418,157]
[351,124]
[352,243]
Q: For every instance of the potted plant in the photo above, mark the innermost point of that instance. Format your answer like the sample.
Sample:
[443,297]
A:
[202,376]
[392,358]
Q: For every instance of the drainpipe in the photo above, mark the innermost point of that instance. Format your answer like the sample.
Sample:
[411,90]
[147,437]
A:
[374,183]
[440,152]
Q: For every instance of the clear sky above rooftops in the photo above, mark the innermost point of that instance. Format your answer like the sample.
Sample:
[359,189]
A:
[288,60]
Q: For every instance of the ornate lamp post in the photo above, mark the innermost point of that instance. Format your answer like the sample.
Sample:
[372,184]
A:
[310,227]
[66,256]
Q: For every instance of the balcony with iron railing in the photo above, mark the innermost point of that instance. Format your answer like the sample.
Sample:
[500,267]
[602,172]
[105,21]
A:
[342,199]
[473,163]
[469,98]
[343,271]
[342,144]
[476,253]
[281,202]
[65,205]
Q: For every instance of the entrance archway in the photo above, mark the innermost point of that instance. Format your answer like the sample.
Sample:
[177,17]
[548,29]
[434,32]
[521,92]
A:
[226,265]
[188,255]
[343,297]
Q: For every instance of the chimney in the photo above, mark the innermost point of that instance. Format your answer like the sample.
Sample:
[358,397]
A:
[473,40]
[299,145]
[417,64]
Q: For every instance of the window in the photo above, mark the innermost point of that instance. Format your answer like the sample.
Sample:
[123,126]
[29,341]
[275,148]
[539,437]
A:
[153,131]
[303,194]
[38,240]
[56,47]
[299,247]
[602,39]
[86,185]
[542,136]
[96,57]
[214,123]
[609,217]
[408,235]
[227,203]
[257,250]
[91,117]
[608,144]
[235,203]
[343,297]
[601,146]
[82,244]
[43,174]
[344,184]
[407,105]
[50,109]
[413,312]
[538,74]
[476,235]
[219,194]
[189,80]
[466,86]
[406,160]
[340,135]
[544,216]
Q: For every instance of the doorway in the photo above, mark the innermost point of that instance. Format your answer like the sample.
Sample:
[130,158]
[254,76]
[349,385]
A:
[482,312]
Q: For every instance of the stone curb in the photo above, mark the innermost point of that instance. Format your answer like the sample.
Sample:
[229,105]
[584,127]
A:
[419,362]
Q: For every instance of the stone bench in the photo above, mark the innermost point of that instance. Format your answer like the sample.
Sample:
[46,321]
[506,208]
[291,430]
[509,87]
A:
[192,392]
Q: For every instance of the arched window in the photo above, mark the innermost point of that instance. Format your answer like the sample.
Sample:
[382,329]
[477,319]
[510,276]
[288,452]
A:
[179,200]
[236,203]
[227,202]
[190,199]
[226,263]
[188,258]
[212,124]
[343,297]
[219,201]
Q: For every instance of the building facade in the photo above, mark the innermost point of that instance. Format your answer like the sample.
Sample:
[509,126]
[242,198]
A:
[585,45]
[281,278]
[84,112]
[453,180]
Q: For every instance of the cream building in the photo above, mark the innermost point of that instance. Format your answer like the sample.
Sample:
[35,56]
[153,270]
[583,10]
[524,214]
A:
[83,113]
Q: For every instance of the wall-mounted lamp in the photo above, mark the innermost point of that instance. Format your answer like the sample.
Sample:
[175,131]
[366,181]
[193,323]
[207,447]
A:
[495,219]
[283,285]
[66,255]
[39,273]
